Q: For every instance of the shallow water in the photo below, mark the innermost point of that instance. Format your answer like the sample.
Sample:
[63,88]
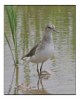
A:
[31,21]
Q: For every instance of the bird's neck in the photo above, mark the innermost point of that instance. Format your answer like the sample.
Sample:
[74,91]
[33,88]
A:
[47,37]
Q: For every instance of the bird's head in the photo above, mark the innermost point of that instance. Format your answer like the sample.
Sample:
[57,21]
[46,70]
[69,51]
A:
[50,28]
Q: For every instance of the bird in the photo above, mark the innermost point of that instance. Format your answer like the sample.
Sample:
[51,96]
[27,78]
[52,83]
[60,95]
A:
[44,49]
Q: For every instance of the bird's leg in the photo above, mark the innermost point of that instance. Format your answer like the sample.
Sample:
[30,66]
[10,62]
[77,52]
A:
[37,69]
[41,83]
[41,68]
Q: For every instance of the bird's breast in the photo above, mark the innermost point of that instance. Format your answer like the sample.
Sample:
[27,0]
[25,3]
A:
[44,54]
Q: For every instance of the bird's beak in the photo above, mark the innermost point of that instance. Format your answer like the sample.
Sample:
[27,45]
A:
[55,31]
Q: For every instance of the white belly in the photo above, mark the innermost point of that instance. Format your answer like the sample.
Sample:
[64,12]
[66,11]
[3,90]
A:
[43,55]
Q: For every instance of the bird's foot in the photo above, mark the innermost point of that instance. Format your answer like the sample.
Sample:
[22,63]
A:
[44,74]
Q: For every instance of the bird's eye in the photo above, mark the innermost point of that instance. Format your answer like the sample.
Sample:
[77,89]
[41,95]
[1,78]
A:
[49,27]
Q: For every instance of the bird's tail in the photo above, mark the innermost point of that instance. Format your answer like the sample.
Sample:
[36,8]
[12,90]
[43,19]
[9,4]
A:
[28,59]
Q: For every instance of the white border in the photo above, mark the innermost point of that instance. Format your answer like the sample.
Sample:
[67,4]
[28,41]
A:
[40,2]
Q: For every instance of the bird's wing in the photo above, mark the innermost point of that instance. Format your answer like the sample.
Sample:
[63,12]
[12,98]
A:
[32,51]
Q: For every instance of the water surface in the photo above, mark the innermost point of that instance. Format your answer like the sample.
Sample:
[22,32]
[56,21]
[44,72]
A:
[31,21]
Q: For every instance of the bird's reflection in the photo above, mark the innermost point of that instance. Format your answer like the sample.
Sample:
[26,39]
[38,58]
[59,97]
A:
[28,89]
[40,83]
[43,75]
